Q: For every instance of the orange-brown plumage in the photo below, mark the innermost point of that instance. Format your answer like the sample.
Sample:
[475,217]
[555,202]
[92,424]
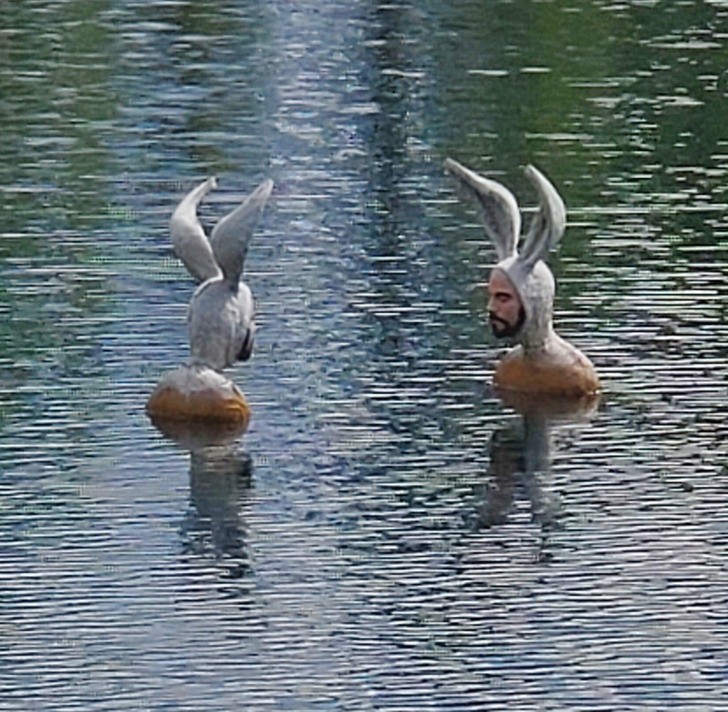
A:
[198,394]
[567,373]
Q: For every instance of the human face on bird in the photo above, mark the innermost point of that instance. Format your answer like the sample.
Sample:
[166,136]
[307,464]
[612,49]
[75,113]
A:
[505,310]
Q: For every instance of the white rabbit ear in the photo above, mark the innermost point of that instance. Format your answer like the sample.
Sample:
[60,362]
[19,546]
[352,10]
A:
[498,208]
[188,238]
[548,224]
[231,236]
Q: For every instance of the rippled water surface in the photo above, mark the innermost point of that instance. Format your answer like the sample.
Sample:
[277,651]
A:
[387,535]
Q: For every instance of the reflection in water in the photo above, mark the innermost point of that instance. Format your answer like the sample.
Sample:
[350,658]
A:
[520,456]
[220,477]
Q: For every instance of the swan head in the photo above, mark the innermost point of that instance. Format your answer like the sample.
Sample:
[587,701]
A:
[221,324]
[533,290]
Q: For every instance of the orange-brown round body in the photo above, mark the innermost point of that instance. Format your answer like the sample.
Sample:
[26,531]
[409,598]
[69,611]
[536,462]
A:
[563,372]
[197,393]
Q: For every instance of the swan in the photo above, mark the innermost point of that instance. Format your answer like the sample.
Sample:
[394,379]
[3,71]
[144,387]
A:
[221,313]
[521,289]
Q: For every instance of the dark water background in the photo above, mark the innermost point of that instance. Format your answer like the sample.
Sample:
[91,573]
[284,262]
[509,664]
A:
[387,535]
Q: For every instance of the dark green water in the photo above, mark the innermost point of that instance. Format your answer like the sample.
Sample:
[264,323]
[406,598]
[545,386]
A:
[387,535]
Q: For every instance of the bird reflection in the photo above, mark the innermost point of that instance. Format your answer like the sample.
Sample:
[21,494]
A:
[520,463]
[519,458]
[220,479]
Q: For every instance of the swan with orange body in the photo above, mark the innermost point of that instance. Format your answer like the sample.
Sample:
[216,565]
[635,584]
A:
[221,315]
[521,289]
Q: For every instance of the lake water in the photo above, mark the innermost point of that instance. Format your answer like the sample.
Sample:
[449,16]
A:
[387,535]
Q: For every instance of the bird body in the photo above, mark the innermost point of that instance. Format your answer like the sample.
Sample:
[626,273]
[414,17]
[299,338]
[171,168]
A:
[221,314]
[190,393]
[221,324]
[558,368]
[542,363]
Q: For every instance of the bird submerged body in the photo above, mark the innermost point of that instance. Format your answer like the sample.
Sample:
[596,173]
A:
[198,393]
[558,369]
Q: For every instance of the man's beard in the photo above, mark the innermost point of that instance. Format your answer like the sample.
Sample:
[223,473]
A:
[502,329]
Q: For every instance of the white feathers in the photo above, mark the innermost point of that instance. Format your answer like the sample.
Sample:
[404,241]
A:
[498,208]
[502,219]
[548,225]
[231,236]
[220,318]
[188,238]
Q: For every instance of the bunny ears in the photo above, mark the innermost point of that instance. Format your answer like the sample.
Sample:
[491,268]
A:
[224,253]
[502,218]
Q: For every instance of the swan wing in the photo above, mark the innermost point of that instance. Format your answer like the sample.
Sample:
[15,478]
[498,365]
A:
[498,207]
[548,224]
[231,236]
[188,237]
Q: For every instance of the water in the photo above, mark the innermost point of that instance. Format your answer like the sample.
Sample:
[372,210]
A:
[387,535]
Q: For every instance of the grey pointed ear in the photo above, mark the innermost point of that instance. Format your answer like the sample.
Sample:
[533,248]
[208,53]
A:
[498,208]
[188,238]
[548,224]
[231,236]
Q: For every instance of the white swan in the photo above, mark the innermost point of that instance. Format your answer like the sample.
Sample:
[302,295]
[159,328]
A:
[543,362]
[221,315]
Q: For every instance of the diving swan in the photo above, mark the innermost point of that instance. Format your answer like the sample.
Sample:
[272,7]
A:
[521,289]
[220,318]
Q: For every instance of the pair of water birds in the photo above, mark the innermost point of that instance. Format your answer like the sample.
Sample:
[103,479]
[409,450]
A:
[221,319]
